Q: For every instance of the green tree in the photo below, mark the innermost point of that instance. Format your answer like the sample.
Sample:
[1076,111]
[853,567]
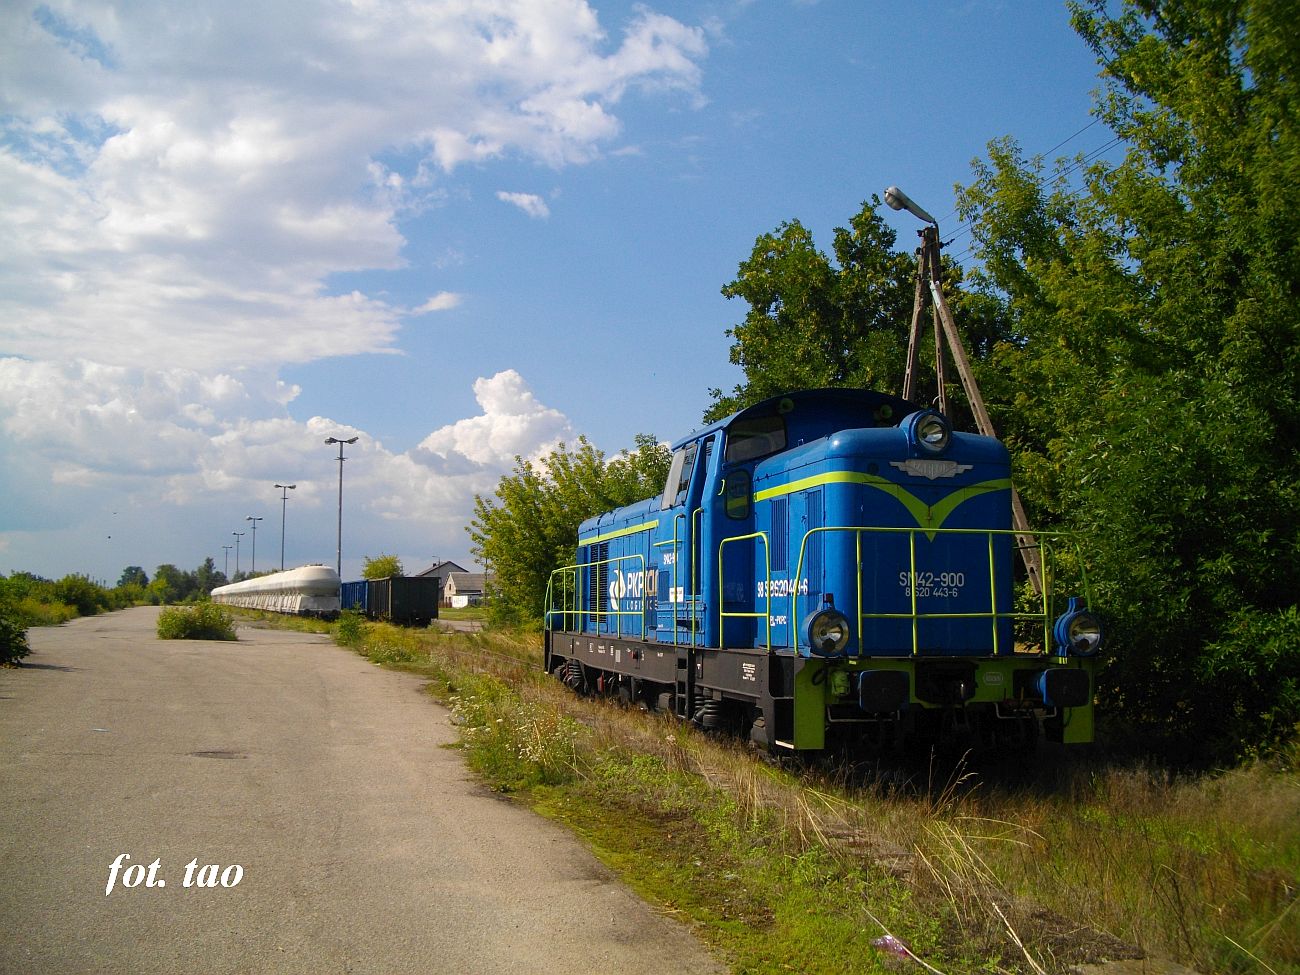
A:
[381,567]
[207,577]
[813,322]
[1151,393]
[78,591]
[171,585]
[530,526]
[133,575]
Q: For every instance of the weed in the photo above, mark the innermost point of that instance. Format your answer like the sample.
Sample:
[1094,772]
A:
[350,629]
[205,621]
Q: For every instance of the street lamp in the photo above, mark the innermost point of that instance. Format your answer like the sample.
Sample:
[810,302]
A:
[898,200]
[227,569]
[254,520]
[238,536]
[336,440]
[929,270]
[284,498]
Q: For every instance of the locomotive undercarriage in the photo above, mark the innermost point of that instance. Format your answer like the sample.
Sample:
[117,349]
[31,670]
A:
[782,701]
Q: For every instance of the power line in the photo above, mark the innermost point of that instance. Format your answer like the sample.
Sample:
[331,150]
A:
[1074,167]
[1068,139]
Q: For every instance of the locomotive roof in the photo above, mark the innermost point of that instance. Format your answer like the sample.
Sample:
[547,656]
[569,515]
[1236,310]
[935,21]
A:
[862,402]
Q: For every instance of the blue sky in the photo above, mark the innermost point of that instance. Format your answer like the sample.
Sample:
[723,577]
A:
[460,231]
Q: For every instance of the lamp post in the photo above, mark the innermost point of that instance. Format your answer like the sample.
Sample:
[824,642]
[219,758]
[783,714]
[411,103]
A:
[336,440]
[284,499]
[238,536]
[254,520]
[227,569]
[930,271]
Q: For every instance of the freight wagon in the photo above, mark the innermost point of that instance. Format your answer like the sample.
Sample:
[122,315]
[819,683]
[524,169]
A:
[405,600]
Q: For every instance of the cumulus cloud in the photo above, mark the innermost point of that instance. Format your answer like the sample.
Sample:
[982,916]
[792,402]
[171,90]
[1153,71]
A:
[512,423]
[179,183]
[530,203]
[185,454]
[203,435]
[183,187]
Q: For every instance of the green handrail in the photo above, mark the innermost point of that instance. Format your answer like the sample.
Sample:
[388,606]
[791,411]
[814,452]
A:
[767,588]
[1044,539]
[597,614]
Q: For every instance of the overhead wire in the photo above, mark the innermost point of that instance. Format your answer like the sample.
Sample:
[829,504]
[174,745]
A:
[1080,162]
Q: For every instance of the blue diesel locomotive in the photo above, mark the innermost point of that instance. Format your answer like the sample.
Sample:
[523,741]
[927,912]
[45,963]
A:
[830,565]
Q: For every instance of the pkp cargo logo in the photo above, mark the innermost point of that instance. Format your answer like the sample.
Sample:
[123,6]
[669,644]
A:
[626,590]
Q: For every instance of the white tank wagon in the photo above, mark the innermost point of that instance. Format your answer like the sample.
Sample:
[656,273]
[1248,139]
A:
[312,590]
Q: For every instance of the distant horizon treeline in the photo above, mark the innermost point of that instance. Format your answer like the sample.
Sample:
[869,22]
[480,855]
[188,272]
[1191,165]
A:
[27,599]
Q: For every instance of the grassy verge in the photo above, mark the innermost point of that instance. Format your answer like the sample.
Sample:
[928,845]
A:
[807,869]
[475,613]
[260,618]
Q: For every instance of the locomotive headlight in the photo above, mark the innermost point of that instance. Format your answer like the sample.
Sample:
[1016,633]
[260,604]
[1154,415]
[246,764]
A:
[1078,631]
[929,431]
[828,632]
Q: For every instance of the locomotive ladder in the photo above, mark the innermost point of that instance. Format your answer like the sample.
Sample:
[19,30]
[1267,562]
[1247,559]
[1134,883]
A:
[929,271]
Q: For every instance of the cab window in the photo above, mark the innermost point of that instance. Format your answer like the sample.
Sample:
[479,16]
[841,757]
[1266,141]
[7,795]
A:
[738,486]
[755,436]
[679,476]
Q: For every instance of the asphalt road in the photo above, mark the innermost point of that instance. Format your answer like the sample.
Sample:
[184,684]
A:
[363,844]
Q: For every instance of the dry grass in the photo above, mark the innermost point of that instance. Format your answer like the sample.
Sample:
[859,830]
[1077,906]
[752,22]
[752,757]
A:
[981,872]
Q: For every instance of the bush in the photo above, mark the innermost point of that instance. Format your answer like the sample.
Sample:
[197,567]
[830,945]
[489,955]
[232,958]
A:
[31,611]
[206,621]
[13,641]
[350,630]
[89,598]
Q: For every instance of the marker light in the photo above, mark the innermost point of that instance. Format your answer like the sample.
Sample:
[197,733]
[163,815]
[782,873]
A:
[1077,631]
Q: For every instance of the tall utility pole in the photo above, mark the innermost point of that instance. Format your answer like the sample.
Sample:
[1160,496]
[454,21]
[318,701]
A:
[284,499]
[254,520]
[336,440]
[227,569]
[238,536]
[929,277]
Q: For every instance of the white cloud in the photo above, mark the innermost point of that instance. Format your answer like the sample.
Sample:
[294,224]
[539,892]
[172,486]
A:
[179,184]
[512,423]
[530,203]
[181,188]
[442,301]
[184,457]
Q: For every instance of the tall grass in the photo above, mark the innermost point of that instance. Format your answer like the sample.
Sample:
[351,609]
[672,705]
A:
[791,867]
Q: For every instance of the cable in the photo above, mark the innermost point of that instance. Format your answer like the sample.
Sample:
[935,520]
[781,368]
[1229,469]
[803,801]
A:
[1065,141]
[1078,164]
